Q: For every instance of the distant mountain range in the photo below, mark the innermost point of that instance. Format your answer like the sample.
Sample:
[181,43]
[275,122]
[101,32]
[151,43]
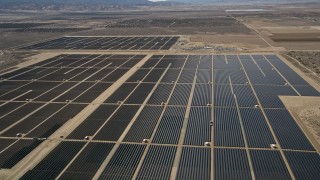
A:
[81,5]
[75,4]
[242,1]
[106,2]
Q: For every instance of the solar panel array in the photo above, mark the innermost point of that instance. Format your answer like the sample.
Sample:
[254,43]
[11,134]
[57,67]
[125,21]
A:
[39,99]
[106,43]
[177,116]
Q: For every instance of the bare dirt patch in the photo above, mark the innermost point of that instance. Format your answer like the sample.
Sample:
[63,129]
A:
[220,24]
[308,69]
[293,28]
[224,43]
[178,22]
[309,59]
[311,117]
[11,39]
[298,33]
[306,111]
[8,58]
[296,37]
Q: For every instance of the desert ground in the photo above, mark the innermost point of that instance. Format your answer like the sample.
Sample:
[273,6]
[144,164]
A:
[292,32]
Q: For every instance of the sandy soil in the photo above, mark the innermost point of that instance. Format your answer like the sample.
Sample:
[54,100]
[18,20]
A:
[12,39]
[306,61]
[231,42]
[311,117]
[306,111]
[291,28]
[289,37]
[8,59]
[309,59]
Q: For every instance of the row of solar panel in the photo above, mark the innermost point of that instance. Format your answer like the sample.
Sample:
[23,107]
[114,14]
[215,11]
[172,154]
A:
[195,163]
[178,124]
[35,119]
[257,74]
[260,69]
[181,97]
[223,94]
[24,117]
[107,43]
[63,92]
[67,74]
[227,128]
